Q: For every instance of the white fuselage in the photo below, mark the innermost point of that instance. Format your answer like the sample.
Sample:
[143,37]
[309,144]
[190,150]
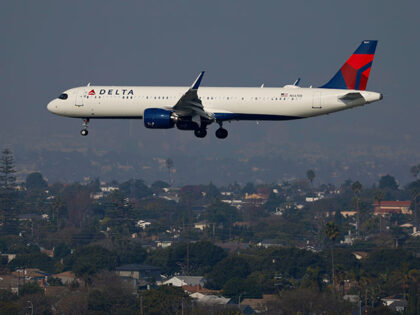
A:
[227,103]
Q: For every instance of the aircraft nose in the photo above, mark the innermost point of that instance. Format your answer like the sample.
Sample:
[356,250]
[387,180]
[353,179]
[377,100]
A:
[52,106]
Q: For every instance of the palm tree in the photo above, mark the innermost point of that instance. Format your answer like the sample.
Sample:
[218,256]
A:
[332,232]
[357,188]
[169,164]
[310,174]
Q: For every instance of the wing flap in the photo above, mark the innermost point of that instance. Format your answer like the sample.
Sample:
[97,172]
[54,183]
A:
[189,104]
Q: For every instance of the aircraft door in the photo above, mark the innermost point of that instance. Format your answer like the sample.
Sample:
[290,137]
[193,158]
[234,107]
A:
[80,98]
[316,100]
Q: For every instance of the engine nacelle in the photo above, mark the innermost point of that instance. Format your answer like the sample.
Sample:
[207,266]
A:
[157,118]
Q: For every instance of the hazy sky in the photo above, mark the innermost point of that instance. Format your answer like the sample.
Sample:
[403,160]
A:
[50,46]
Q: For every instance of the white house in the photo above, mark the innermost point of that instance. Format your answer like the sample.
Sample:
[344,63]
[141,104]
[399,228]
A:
[179,281]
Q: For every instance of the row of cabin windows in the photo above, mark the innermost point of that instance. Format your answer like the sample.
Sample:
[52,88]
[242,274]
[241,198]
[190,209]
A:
[208,98]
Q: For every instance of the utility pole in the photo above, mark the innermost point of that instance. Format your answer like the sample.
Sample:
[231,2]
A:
[141,305]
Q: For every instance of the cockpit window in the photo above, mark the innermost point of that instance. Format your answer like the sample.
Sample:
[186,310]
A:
[63,96]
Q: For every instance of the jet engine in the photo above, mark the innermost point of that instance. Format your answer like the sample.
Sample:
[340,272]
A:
[157,118]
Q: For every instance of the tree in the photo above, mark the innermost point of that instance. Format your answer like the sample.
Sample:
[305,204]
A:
[164,300]
[7,183]
[135,188]
[388,182]
[230,267]
[415,170]
[310,175]
[357,188]
[35,181]
[332,232]
[169,165]
[90,260]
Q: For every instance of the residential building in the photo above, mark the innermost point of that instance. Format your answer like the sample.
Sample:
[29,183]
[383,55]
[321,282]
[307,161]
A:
[139,272]
[392,207]
[179,281]
[66,277]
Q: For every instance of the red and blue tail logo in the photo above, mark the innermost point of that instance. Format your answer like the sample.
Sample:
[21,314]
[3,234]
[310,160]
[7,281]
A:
[354,74]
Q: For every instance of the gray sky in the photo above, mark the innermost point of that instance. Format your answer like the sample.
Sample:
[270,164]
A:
[50,46]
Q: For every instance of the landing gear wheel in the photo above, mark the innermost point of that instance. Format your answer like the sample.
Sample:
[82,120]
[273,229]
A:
[200,133]
[221,133]
[84,131]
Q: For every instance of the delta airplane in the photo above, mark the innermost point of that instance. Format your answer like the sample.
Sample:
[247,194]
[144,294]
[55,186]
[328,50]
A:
[197,107]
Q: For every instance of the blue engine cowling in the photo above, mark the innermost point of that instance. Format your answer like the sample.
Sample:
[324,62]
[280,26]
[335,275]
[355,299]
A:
[157,118]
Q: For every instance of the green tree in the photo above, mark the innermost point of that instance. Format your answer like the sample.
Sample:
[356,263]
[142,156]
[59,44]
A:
[164,300]
[388,182]
[91,259]
[230,267]
[7,183]
[30,288]
[357,188]
[332,232]
[135,188]
[310,175]
[169,165]
[35,181]
[33,260]
[415,170]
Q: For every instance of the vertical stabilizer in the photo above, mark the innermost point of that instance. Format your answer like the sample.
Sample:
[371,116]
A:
[354,74]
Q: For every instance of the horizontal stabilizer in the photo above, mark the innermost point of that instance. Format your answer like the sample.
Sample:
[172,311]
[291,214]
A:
[351,96]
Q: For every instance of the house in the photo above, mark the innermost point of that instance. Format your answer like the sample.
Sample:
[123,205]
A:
[256,196]
[269,243]
[260,305]
[360,255]
[198,288]
[163,244]
[415,232]
[398,306]
[179,281]
[31,274]
[10,257]
[143,224]
[392,207]
[348,214]
[396,303]
[48,252]
[139,272]
[66,277]
[201,225]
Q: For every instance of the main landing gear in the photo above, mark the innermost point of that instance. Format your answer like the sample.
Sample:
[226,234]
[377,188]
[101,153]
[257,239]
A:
[221,133]
[200,133]
[84,131]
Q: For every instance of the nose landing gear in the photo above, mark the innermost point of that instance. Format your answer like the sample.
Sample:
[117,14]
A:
[84,131]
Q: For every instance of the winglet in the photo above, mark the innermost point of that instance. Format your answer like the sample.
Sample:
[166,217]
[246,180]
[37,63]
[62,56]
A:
[297,82]
[197,81]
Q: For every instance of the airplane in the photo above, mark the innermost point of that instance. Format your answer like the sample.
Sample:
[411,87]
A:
[195,108]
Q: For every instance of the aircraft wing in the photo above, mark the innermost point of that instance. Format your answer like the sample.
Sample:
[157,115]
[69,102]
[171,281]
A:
[351,96]
[189,104]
